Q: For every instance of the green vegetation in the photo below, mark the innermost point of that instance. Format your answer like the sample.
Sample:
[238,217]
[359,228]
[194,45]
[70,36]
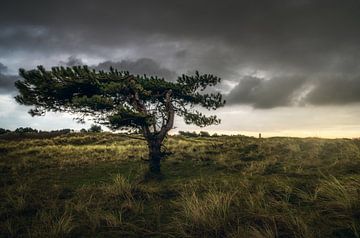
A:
[91,185]
[95,128]
[28,132]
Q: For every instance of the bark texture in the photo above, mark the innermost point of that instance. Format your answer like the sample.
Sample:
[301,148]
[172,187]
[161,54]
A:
[155,156]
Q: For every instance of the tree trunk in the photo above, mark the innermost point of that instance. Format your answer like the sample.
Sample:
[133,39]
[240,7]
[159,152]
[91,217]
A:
[155,140]
[155,157]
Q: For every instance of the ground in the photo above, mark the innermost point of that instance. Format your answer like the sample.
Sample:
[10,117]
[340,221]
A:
[91,185]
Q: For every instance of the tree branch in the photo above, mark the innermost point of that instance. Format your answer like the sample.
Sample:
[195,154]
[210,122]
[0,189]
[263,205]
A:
[170,116]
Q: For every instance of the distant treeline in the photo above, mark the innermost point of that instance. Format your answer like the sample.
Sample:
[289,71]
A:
[31,133]
[194,134]
[28,132]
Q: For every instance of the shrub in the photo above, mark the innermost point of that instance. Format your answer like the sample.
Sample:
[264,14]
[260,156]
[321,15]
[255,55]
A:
[95,128]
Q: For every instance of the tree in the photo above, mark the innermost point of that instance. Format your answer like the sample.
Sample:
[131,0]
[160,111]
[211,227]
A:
[188,133]
[4,131]
[26,130]
[204,134]
[120,100]
[83,130]
[95,128]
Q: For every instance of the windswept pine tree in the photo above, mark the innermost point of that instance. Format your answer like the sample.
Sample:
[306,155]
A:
[120,100]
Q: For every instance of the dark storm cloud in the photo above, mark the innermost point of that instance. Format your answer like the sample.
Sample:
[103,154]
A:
[283,28]
[3,68]
[296,90]
[72,61]
[314,39]
[7,82]
[262,93]
[340,90]
[139,66]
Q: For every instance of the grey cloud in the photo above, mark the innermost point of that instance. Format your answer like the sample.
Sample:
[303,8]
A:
[181,54]
[72,61]
[335,90]
[3,68]
[295,37]
[262,93]
[7,82]
[287,35]
[140,66]
[35,38]
[296,90]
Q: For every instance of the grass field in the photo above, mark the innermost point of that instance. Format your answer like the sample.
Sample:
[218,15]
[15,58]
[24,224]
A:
[90,185]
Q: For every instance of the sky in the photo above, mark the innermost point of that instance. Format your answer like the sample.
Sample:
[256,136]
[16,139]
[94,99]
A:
[288,68]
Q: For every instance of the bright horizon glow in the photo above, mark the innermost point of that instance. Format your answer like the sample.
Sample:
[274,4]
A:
[323,122]
[330,134]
